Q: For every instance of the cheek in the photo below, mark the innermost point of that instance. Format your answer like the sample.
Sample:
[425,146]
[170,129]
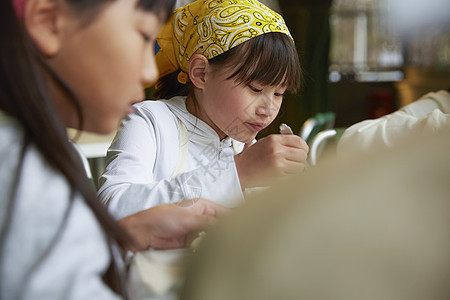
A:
[276,109]
[235,106]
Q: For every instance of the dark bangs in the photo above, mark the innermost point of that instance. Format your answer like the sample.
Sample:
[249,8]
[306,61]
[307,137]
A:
[269,59]
[162,8]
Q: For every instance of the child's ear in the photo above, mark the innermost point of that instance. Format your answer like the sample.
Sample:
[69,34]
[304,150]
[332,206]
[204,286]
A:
[197,70]
[41,21]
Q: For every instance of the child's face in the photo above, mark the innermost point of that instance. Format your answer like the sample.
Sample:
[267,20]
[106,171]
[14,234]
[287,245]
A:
[106,63]
[236,110]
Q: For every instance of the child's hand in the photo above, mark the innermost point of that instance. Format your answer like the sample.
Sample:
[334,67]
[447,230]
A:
[270,159]
[171,225]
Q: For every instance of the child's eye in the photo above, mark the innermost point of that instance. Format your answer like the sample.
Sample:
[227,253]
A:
[145,37]
[254,89]
[279,95]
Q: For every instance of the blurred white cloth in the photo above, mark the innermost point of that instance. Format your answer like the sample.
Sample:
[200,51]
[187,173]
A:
[54,247]
[416,120]
[157,274]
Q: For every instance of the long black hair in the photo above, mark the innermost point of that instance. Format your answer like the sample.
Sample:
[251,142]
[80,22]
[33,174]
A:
[24,95]
[270,59]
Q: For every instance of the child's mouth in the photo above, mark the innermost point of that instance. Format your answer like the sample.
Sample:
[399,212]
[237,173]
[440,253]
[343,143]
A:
[257,126]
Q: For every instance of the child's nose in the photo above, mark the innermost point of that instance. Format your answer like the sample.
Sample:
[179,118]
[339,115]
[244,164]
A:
[149,71]
[265,106]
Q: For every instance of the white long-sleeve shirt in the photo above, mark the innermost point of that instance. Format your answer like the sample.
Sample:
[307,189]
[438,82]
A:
[143,156]
[421,118]
[75,263]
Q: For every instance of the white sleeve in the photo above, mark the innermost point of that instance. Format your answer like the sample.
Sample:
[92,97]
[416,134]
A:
[417,120]
[35,264]
[129,183]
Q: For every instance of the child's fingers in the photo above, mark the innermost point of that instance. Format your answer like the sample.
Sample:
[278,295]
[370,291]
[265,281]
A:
[299,155]
[204,207]
[213,209]
[287,140]
[293,141]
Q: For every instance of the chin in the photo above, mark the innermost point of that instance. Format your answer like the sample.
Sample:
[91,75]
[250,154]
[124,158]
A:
[102,128]
[105,131]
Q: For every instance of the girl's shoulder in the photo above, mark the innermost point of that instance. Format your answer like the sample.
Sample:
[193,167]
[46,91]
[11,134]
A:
[40,189]
[155,113]
[151,105]
[11,137]
[36,173]
[45,207]
[10,131]
[160,107]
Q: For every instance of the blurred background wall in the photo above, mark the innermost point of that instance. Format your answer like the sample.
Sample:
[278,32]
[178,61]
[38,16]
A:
[385,54]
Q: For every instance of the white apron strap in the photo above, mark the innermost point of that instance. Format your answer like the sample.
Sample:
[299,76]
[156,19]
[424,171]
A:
[183,139]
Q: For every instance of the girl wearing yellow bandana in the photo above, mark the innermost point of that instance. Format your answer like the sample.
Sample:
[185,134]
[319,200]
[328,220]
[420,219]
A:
[224,68]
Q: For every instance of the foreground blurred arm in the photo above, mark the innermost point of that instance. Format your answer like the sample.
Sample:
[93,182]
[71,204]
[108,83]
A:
[417,120]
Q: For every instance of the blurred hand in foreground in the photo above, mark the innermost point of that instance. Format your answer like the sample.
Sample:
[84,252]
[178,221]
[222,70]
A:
[173,225]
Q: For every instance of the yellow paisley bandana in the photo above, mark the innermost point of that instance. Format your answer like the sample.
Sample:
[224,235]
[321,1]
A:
[211,27]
